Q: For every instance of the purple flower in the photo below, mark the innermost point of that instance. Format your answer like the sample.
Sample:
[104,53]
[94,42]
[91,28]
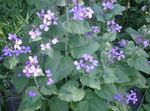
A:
[115,54]
[95,29]
[142,42]
[48,19]
[7,51]
[41,14]
[31,93]
[86,63]
[113,27]
[123,43]
[131,97]
[108,4]
[119,97]
[34,33]
[31,67]
[49,76]
[81,12]
[12,37]
[45,46]
[54,41]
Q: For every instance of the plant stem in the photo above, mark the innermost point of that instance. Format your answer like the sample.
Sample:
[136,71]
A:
[36,82]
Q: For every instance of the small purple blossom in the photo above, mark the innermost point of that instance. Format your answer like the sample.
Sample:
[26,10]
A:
[81,12]
[54,41]
[131,97]
[31,67]
[108,4]
[48,19]
[35,32]
[45,46]
[49,76]
[115,54]
[31,93]
[95,29]
[113,26]
[86,63]
[123,43]
[142,42]
[119,97]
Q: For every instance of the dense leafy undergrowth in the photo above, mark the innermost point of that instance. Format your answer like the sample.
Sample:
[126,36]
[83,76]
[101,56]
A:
[74,55]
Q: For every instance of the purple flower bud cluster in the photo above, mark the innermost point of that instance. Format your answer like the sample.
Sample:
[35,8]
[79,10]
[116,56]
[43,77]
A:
[123,43]
[49,44]
[81,12]
[108,4]
[31,93]
[15,48]
[86,63]
[142,42]
[113,26]
[31,67]
[49,76]
[95,29]
[131,97]
[48,18]
[35,32]
[115,54]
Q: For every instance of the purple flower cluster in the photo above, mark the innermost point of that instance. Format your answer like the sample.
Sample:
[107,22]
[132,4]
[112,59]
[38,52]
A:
[115,54]
[131,97]
[81,12]
[142,42]
[15,48]
[49,44]
[113,26]
[108,4]
[123,43]
[31,67]
[31,93]
[86,63]
[48,18]
[95,29]
[49,76]
[35,32]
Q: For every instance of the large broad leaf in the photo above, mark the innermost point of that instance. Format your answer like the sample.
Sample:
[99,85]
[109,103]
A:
[55,104]
[60,66]
[107,92]
[80,46]
[92,103]
[48,90]
[109,37]
[19,82]
[10,63]
[133,33]
[77,27]
[98,12]
[139,63]
[117,74]
[91,81]
[118,9]
[30,103]
[70,92]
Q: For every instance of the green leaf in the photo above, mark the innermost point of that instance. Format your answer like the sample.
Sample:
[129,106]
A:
[48,90]
[60,66]
[109,36]
[118,9]
[80,46]
[77,27]
[60,2]
[92,103]
[90,81]
[140,1]
[19,82]
[98,12]
[49,52]
[55,104]
[133,33]
[69,92]
[10,63]
[107,92]
[30,103]
[139,63]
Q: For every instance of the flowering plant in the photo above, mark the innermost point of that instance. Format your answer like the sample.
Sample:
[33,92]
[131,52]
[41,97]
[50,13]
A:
[76,56]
